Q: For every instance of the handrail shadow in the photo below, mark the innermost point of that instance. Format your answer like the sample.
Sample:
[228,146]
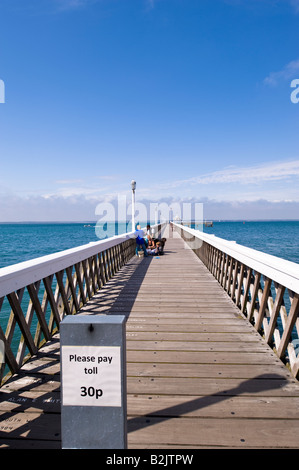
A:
[126,282]
[118,295]
[254,385]
[41,402]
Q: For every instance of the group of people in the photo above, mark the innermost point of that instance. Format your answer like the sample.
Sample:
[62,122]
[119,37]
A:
[147,243]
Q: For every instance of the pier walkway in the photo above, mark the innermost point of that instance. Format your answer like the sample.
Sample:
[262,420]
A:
[199,375]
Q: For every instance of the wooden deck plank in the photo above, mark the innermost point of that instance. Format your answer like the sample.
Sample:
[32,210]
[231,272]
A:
[233,407]
[198,374]
[262,385]
[203,357]
[183,337]
[192,370]
[220,433]
[181,382]
[193,346]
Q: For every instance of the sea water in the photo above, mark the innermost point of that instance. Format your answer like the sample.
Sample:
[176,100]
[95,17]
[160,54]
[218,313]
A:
[278,238]
[24,241]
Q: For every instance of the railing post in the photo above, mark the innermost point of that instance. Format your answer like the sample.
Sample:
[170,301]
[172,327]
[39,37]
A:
[93,381]
[292,317]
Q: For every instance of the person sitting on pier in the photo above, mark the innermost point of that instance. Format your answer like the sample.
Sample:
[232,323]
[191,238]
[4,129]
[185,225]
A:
[147,235]
[159,248]
[140,243]
[162,244]
[159,245]
[151,247]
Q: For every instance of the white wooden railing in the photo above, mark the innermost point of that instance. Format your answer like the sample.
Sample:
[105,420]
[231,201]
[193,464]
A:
[264,287]
[36,295]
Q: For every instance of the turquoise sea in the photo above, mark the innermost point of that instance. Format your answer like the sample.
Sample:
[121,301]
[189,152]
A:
[24,241]
[278,238]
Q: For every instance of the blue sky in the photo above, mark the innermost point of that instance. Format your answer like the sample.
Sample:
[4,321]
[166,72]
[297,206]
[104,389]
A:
[191,98]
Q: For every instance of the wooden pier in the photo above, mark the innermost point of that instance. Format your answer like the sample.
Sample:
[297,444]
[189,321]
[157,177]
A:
[199,375]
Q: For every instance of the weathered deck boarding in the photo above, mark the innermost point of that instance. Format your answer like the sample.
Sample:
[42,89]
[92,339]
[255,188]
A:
[197,370]
[199,375]
[265,288]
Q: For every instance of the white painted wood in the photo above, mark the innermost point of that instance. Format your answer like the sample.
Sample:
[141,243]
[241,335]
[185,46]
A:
[282,271]
[22,274]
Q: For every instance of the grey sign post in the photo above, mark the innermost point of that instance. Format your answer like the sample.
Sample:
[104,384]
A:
[93,382]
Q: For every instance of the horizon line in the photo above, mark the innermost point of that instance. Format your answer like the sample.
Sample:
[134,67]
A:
[151,222]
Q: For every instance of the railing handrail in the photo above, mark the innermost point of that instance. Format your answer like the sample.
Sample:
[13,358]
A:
[278,269]
[21,274]
[36,295]
[18,275]
[264,287]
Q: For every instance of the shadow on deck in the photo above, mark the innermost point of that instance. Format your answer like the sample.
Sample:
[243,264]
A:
[198,374]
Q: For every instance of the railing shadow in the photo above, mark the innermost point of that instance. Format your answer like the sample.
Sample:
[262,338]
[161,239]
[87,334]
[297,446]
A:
[255,385]
[118,295]
[30,412]
[124,285]
[23,435]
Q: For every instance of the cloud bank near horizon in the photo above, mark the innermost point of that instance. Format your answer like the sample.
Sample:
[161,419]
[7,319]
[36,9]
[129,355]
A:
[272,181]
[81,209]
[269,190]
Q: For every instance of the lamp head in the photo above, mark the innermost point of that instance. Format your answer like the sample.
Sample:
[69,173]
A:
[133,184]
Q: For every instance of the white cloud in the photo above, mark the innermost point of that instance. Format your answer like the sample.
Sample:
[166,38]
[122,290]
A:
[74,181]
[295,4]
[225,193]
[69,191]
[73,4]
[251,175]
[273,171]
[271,181]
[271,3]
[78,209]
[288,72]
[150,3]
[90,188]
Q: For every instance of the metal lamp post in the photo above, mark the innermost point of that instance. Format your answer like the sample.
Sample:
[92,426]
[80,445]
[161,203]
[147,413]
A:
[133,185]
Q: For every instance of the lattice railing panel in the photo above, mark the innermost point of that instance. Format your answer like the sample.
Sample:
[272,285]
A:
[272,308]
[31,315]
